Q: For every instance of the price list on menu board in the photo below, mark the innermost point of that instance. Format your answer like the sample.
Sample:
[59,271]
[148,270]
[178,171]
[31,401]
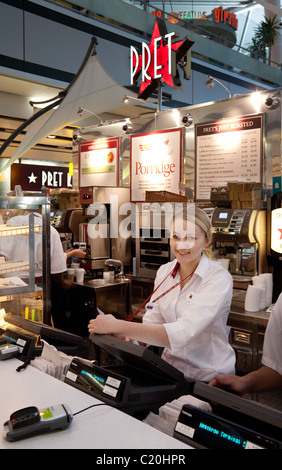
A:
[227,150]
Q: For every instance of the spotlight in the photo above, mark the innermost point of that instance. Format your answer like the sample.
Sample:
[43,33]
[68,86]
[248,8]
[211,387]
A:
[210,84]
[127,128]
[271,102]
[187,120]
[76,137]
[125,99]
[80,112]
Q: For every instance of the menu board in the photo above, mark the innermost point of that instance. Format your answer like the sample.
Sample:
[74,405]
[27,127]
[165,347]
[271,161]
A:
[155,163]
[99,162]
[227,150]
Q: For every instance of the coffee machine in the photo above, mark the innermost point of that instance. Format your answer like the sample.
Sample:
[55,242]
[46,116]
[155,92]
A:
[105,215]
[239,241]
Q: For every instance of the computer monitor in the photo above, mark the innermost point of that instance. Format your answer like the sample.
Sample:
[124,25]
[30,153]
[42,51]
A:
[63,340]
[138,380]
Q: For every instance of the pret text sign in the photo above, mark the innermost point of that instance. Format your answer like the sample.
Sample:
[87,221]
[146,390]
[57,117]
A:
[158,60]
[33,177]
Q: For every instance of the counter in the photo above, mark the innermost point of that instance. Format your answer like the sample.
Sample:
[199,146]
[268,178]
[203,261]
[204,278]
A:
[101,427]
[247,337]
[261,316]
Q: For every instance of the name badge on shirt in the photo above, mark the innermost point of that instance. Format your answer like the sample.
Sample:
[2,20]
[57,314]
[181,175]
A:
[149,306]
[190,296]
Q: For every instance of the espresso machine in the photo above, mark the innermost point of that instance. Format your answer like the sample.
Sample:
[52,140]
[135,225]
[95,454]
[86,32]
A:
[239,241]
[101,230]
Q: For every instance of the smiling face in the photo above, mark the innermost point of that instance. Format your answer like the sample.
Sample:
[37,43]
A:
[187,242]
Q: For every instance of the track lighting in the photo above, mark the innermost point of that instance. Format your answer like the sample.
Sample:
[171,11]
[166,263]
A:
[271,102]
[210,84]
[187,120]
[76,137]
[127,128]
[80,112]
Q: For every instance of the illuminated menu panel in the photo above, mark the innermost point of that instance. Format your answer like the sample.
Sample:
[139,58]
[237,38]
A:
[227,150]
[99,162]
[276,230]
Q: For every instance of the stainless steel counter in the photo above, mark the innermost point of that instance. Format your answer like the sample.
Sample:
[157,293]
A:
[247,337]
[103,283]
[261,316]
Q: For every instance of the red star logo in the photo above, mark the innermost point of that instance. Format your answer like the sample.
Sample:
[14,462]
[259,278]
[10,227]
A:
[169,72]
[280,230]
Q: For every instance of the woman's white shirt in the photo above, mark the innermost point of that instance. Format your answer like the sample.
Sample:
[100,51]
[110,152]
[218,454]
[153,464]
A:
[195,320]
[272,345]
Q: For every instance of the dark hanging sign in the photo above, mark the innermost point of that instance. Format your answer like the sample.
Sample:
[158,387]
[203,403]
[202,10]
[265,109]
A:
[34,177]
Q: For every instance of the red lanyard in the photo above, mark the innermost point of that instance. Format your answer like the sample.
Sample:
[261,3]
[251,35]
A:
[130,317]
[173,287]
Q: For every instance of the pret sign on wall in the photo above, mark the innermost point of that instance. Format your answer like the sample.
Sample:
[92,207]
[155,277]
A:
[99,162]
[155,162]
[33,177]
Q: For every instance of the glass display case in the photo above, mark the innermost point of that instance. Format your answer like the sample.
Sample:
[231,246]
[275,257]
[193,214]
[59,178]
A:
[25,257]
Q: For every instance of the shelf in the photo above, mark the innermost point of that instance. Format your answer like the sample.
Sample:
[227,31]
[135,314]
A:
[8,267]
[10,230]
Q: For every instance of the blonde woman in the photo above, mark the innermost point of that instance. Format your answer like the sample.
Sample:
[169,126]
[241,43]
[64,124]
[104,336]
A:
[189,307]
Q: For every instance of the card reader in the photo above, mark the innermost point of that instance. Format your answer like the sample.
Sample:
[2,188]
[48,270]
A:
[30,421]
[7,351]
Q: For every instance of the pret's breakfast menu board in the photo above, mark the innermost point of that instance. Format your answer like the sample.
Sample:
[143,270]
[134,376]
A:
[227,150]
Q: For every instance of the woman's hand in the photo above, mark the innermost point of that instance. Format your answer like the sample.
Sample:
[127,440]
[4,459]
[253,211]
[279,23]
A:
[103,324]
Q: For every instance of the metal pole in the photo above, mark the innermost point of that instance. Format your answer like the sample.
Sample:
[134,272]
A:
[159,96]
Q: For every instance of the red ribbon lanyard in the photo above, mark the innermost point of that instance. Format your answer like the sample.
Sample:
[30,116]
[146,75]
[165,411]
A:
[173,273]
[173,287]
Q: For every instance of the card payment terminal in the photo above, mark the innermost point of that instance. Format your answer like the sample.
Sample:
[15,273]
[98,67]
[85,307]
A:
[30,421]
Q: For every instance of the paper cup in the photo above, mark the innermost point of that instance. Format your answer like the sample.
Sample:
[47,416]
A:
[75,265]
[70,274]
[225,262]
[253,298]
[79,275]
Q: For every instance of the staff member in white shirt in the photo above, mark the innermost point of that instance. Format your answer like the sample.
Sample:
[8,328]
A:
[16,248]
[269,376]
[189,307]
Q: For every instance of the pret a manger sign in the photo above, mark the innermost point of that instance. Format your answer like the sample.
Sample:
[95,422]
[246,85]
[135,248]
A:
[155,163]
[158,60]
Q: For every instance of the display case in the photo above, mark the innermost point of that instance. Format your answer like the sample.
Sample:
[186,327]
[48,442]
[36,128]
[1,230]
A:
[24,286]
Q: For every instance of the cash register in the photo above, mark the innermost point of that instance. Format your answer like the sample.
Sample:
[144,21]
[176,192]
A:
[233,423]
[138,380]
